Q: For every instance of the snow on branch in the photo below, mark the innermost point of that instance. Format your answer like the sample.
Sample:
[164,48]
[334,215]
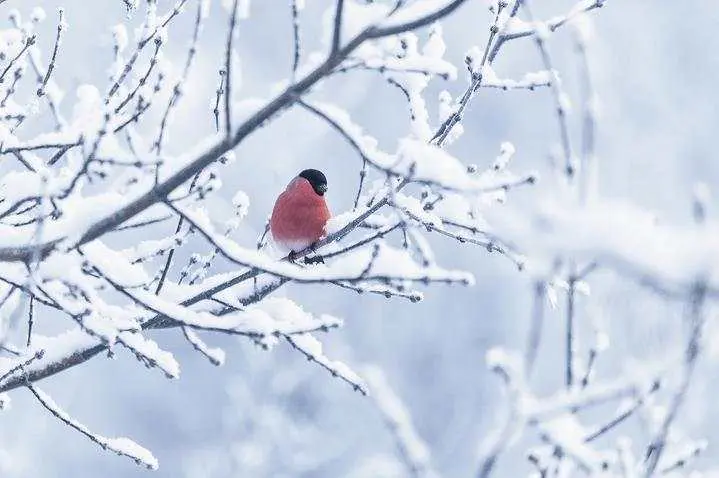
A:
[121,445]
[267,318]
[529,81]
[667,258]
[516,28]
[414,160]
[386,264]
[216,356]
[311,348]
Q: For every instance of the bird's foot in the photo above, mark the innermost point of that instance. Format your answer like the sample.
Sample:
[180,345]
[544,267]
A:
[318,259]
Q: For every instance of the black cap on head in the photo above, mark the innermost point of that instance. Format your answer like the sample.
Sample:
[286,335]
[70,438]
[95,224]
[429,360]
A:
[317,179]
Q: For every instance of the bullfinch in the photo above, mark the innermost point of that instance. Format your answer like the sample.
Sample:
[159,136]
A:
[301,213]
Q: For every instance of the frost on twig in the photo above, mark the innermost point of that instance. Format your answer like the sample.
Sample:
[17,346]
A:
[121,445]
[216,356]
[311,348]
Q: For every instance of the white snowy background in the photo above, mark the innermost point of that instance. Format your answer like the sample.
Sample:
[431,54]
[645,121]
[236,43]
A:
[272,413]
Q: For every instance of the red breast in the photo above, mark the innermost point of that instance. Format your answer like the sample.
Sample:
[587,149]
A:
[299,216]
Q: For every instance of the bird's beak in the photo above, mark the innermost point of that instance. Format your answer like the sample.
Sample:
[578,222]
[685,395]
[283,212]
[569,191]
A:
[322,189]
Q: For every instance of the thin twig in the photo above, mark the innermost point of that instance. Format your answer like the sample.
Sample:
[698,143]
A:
[570,333]
[638,403]
[30,41]
[228,69]
[535,327]
[127,69]
[171,254]
[36,356]
[143,80]
[51,65]
[362,175]
[693,349]
[220,91]
[295,39]
[30,319]
[559,96]
[476,81]
[587,165]
[177,90]
[512,420]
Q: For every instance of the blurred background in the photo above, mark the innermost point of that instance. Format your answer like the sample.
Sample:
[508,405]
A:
[272,413]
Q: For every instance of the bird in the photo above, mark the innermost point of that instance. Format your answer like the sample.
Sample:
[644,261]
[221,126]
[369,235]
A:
[300,213]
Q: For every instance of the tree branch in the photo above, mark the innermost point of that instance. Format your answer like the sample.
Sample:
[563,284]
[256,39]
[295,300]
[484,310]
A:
[337,31]
[228,69]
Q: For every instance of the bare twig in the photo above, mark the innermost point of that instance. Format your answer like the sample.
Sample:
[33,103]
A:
[29,41]
[177,90]
[443,132]
[127,69]
[30,319]
[51,65]
[535,327]
[295,39]
[145,76]
[588,160]
[220,91]
[36,356]
[171,254]
[228,69]
[511,421]
[693,349]
[570,333]
[620,418]
[558,94]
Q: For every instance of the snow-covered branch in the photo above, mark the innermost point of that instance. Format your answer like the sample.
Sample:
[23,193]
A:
[121,445]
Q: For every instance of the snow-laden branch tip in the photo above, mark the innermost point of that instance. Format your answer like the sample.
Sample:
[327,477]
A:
[311,348]
[666,257]
[122,446]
